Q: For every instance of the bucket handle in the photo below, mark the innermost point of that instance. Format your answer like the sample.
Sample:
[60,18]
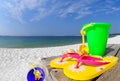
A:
[83,32]
[86,26]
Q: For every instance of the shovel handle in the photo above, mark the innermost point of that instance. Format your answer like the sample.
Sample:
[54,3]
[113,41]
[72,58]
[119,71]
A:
[83,36]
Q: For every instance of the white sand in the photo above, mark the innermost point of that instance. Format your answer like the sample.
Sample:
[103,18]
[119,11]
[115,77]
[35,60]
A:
[14,63]
[114,40]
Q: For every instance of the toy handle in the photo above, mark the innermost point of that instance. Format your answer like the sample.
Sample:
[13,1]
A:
[83,32]
[87,26]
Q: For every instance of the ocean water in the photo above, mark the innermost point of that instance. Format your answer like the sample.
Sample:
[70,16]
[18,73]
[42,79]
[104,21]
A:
[37,41]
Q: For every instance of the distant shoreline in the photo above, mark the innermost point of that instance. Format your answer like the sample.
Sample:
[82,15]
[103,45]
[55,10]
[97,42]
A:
[42,41]
[37,41]
[50,36]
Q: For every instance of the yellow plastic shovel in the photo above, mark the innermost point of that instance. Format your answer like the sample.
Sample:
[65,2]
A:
[83,49]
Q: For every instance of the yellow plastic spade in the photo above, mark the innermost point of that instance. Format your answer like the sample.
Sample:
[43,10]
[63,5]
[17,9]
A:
[83,48]
[87,72]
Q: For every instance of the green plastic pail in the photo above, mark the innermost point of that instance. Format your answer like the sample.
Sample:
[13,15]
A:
[97,36]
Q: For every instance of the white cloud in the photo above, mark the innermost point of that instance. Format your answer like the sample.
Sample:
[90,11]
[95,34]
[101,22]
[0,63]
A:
[16,8]
[81,8]
[112,10]
[15,11]
[110,7]
[44,11]
[83,14]
[61,8]
[30,4]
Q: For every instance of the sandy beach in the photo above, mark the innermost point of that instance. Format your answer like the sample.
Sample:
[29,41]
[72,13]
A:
[14,62]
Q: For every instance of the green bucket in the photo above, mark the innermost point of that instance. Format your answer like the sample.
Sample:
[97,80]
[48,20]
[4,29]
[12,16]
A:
[97,36]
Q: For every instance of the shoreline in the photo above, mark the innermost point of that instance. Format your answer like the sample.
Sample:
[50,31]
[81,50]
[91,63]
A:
[113,39]
[41,41]
[14,62]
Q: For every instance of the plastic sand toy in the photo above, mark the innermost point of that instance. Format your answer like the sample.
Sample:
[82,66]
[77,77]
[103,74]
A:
[36,73]
[97,36]
[83,49]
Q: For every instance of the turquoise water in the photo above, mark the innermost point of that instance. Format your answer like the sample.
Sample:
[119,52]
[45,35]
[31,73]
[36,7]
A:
[37,41]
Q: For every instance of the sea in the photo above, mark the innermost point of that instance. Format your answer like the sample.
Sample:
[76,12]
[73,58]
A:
[37,41]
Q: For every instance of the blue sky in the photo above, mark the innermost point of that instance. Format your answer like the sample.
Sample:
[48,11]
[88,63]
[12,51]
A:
[55,17]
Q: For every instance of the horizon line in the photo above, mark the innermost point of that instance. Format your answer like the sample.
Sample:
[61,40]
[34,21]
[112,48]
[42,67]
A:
[50,35]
